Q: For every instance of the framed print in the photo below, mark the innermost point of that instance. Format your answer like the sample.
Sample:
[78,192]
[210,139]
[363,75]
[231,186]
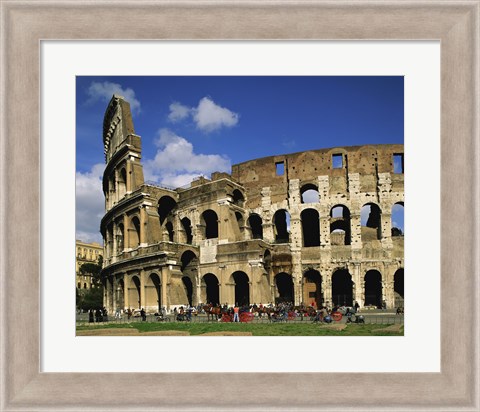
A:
[25,383]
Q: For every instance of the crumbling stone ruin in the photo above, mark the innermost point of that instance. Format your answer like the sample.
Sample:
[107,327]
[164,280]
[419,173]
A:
[279,228]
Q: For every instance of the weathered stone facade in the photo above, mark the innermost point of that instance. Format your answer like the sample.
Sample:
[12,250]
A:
[278,228]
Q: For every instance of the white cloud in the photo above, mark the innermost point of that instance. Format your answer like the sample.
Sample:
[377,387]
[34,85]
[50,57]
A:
[104,92]
[208,116]
[178,112]
[176,163]
[90,204]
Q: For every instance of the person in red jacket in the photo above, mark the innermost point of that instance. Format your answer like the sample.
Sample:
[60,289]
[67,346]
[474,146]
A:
[235,314]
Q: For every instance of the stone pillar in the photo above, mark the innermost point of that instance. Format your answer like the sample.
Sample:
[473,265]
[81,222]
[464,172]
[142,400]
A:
[266,215]
[164,279]
[327,287]
[126,285]
[143,226]
[143,300]
[359,292]
[355,230]
[296,235]
[126,240]
[386,222]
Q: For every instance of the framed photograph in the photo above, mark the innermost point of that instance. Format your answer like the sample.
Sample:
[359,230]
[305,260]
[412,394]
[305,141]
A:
[225,378]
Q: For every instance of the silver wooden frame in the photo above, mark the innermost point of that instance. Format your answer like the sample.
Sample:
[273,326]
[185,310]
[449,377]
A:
[25,23]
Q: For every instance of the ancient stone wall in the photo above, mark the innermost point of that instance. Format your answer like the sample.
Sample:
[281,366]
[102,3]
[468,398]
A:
[280,228]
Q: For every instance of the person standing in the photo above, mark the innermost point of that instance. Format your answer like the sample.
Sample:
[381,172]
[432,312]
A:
[143,315]
[90,316]
[236,309]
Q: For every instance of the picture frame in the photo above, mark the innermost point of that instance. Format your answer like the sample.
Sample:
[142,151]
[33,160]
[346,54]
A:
[25,24]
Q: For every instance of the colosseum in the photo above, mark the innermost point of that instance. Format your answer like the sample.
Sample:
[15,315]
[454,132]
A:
[278,228]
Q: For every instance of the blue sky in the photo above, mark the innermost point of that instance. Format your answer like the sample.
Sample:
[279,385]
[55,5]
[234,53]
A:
[192,126]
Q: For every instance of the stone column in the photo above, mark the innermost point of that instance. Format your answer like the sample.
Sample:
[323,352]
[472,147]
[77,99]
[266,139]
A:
[355,230]
[164,286]
[126,286]
[126,240]
[327,286]
[143,226]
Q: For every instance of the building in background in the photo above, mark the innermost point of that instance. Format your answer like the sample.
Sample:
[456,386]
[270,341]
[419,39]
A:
[86,253]
[312,227]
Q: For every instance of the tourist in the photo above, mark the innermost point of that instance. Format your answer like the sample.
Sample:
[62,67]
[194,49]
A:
[90,316]
[356,306]
[235,314]
[143,315]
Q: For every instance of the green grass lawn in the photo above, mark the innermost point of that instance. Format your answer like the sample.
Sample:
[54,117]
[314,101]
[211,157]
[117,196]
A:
[259,329]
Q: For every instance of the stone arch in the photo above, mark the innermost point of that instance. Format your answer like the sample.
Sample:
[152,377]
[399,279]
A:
[398,288]
[134,232]
[134,296]
[187,227]
[170,231]
[281,222]
[188,285]
[284,289]
[398,219]
[153,293]
[210,224]
[373,289]
[242,288]
[371,222]
[340,232]
[166,205]
[240,221]
[255,224]
[310,227]
[312,288]
[238,198]
[120,238]
[212,289]
[342,288]
[309,193]
[189,270]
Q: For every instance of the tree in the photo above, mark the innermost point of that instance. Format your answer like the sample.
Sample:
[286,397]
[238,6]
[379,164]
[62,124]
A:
[93,270]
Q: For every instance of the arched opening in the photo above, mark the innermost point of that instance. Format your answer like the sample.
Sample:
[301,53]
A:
[169,227]
[312,288]
[122,183]
[281,221]
[166,205]
[284,288]
[255,223]
[398,288]
[240,221]
[310,227]
[398,219]
[373,289]
[187,227]
[267,260]
[189,263]
[120,237]
[210,281]
[309,193]
[342,288]
[210,222]
[371,222]
[242,288]
[238,198]
[340,225]
[84,285]
[187,283]
[134,292]
[134,233]
[153,293]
